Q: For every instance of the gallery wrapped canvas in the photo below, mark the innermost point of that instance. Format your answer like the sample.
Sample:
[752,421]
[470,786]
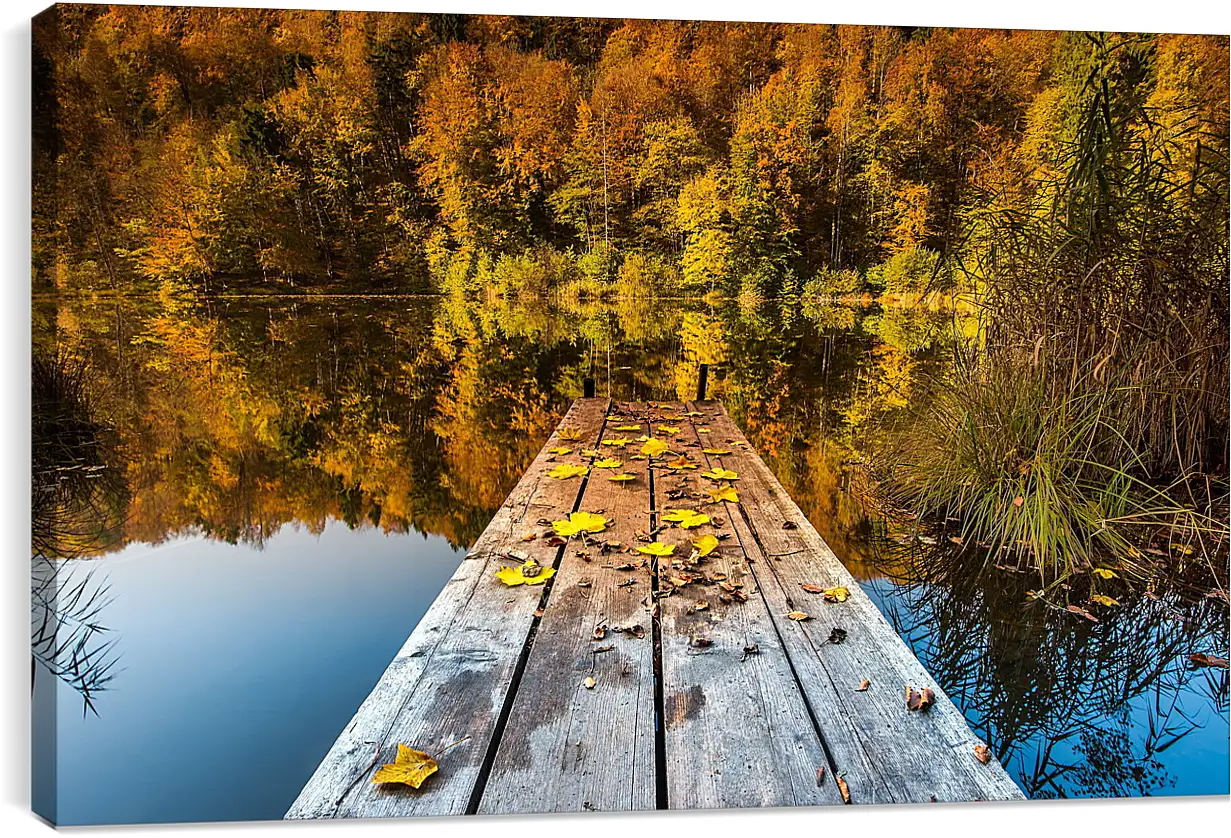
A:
[450,414]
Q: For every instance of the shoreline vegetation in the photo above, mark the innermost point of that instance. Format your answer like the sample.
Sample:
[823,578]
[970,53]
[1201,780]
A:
[1065,193]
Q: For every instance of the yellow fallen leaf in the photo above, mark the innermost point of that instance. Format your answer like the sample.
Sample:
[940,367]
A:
[1104,573]
[726,493]
[608,462]
[565,471]
[1103,600]
[705,545]
[681,462]
[628,427]
[694,413]
[1182,548]
[703,430]
[619,442]
[559,452]
[718,473]
[668,429]
[579,522]
[411,767]
[589,682]
[838,594]
[569,434]
[798,616]
[654,548]
[589,452]
[653,447]
[621,478]
[686,518]
[716,452]
[528,573]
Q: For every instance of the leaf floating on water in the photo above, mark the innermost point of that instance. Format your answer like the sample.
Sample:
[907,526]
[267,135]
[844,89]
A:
[838,594]
[717,473]
[653,447]
[579,522]
[528,573]
[798,616]
[411,767]
[1081,612]
[845,789]
[726,493]
[863,686]
[622,478]
[1103,600]
[654,548]
[608,462]
[705,545]
[983,754]
[564,471]
[1202,659]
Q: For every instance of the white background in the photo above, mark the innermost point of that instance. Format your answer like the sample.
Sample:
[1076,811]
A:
[1073,819]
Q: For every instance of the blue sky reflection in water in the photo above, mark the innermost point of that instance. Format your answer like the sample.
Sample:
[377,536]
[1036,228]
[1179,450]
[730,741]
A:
[240,666]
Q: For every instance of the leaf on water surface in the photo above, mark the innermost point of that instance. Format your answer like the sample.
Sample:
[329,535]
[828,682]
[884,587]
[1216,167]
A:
[564,471]
[705,545]
[621,478]
[1081,612]
[411,767]
[653,447]
[654,548]
[1103,600]
[579,522]
[726,493]
[717,473]
[1202,659]
[607,462]
[528,573]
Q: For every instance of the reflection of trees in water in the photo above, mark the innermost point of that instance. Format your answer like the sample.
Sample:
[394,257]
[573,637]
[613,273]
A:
[1081,708]
[77,508]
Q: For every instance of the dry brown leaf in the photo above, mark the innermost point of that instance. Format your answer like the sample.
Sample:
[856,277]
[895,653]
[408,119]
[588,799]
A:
[846,791]
[983,754]
[863,686]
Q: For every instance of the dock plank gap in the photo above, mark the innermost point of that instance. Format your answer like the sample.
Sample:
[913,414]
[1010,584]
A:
[662,660]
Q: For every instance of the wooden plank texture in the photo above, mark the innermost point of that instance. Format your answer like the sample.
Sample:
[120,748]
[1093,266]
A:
[738,732]
[569,747]
[451,678]
[885,752]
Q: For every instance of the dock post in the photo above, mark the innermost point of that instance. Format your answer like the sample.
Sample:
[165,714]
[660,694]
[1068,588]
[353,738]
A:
[587,388]
[703,377]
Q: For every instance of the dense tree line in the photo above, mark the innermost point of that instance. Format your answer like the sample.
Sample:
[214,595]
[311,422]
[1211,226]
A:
[188,146]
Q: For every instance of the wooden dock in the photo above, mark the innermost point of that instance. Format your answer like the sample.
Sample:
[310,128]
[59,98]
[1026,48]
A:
[708,689]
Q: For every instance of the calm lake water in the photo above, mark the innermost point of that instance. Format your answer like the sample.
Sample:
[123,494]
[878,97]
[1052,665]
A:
[296,480]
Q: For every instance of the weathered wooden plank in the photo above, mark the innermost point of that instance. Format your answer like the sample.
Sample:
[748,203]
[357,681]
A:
[885,752]
[450,680]
[737,728]
[569,747]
